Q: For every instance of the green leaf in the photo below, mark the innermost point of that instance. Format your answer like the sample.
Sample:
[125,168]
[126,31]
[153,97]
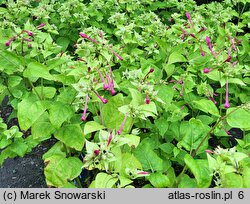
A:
[148,158]
[176,57]
[236,81]
[165,93]
[59,113]
[133,140]
[60,170]
[200,170]
[10,62]
[29,110]
[71,135]
[194,132]
[123,181]
[232,180]
[45,92]
[187,182]
[246,176]
[14,80]
[42,128]
[112,116]
[137,98]
[55,150]
[207,106]
[37,70]
[64,42]
[167,147]
[19,147]
[239,118]
[104,180]
[92,126]
[162,125]
[159,180]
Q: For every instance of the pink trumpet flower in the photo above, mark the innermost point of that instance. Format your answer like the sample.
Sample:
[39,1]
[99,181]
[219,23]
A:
[41,25]
[189,18]
[227,105]
[101,98]
[110,138]
[122,125]
[147,99]
[83,118]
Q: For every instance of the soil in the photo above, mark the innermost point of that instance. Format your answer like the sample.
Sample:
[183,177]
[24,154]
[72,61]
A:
[26,172]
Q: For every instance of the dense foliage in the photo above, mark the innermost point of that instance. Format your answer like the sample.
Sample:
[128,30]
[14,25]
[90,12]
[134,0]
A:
[149,92]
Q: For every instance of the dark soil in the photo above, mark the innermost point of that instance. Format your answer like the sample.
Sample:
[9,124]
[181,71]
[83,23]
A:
[26,172]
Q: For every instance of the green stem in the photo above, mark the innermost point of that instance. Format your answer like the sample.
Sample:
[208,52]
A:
[33,87]
[42,95]
[131,125]
[102,121]
[204,139]
[78,182]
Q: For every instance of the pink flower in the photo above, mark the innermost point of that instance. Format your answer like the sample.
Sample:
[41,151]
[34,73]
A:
[83,35]
[227,105]
[212,99]
[143,172]
[207,70]
[96,152]
[105,85]
[202,29]
[8,43]
[188,16]
[192,35]
[122,125]
[209,151]
[85,109]
[110,138]
[29,33]
[118,56]
[27,39]
[151,70]
[202,52]
[147,99]
[41,25]
[101,98]
[189,19]
[228,56]
[101,35]
[209,43]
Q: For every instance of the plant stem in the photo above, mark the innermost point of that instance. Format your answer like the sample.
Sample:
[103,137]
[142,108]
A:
[33,87]
[204,139]
[42,96]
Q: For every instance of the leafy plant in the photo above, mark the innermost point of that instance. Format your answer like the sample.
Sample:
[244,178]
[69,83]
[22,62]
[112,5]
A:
[142,90]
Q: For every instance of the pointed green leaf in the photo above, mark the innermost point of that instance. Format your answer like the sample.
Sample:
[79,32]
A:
[37,70]
[159,180]
[207,106]
[104,180]
[148,158]
[92,126]
[71,135]
[60,170]
[29,110]
[200,170]
[176,57]
[239,118]
[59,113]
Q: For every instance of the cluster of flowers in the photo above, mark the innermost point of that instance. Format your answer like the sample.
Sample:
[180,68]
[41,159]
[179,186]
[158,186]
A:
[210,47]
[108,81]
[8,43]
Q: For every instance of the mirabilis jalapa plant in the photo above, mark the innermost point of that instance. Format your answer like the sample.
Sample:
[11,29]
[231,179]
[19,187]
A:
[136,89]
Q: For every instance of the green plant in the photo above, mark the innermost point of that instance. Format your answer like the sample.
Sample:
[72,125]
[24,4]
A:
[140,88]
